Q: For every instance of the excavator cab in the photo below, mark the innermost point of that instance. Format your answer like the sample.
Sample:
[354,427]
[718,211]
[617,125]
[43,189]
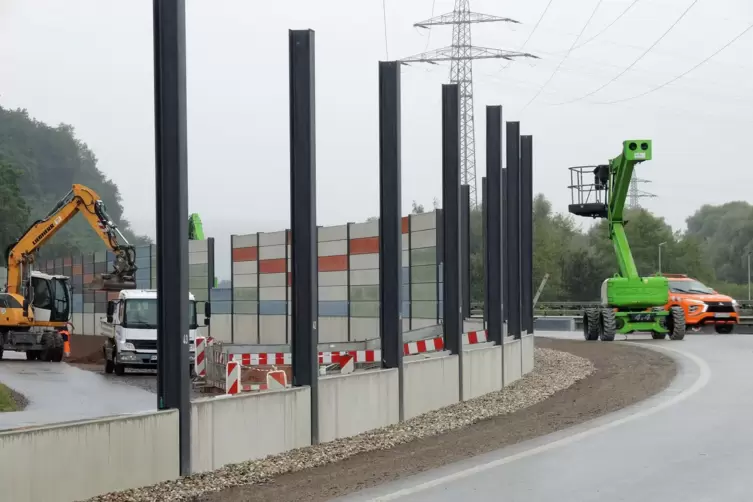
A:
[50,297]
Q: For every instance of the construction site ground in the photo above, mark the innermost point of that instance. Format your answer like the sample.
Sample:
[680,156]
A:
[86,353]
[624,375]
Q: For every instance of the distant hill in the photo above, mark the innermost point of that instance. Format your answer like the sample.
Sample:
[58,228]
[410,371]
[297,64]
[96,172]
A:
[44,162]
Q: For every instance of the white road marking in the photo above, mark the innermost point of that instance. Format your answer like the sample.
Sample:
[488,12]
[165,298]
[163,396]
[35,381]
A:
[703,379]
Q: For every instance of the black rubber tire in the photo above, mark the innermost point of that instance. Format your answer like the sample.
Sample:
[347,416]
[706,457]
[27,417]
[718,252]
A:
[109,366]
[591,324]
[608,325]
[32,355]
[52,343]
[676,323]
[658,336]
[724,329]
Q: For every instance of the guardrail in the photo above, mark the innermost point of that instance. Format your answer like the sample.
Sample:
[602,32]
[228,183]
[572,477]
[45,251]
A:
[576,308]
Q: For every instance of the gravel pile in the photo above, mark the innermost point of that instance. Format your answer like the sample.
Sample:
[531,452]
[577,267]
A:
[553,371]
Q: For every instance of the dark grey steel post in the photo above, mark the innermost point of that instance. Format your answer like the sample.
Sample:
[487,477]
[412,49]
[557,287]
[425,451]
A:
[484,233]
[514,314]
[210,280]
[171,169]
[390,222]
[526,229]
[465,249]
[494,221]
[453,319]
[505,251]
[304,252]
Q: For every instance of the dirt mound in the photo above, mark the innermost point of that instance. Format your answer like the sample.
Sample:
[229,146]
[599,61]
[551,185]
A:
[86,349]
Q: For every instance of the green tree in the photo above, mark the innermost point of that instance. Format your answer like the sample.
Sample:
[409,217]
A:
[48,160]
[15,212]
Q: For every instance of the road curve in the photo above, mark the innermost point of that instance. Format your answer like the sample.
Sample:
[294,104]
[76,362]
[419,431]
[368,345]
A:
[690,442]
[58,392]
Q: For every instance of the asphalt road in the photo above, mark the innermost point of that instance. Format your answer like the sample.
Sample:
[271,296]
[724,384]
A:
[690,442]
[58,392]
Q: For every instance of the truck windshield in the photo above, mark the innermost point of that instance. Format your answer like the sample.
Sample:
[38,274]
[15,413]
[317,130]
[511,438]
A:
[142,313]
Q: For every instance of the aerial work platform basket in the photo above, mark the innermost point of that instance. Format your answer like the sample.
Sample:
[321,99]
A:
[589,191]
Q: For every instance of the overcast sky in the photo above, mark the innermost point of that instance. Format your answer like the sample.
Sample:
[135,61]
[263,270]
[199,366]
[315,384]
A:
[89,63]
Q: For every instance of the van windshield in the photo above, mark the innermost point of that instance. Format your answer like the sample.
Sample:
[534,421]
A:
[142,313]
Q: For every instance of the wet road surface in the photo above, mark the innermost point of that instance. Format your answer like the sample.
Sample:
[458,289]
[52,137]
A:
[690,442]
[58,392]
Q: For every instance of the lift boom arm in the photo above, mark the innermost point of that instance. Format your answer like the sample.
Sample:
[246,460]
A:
[620,173]
[79,199]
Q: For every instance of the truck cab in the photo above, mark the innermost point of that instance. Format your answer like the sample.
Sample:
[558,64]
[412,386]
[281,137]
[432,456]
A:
[131,330]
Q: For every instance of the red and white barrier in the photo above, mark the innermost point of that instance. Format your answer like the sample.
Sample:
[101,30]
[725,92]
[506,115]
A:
[474,337]
[201,356]
[233,378]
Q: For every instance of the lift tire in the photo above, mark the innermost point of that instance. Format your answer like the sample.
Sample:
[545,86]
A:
[676,323]
[32,355]
[591,324]
[608,325]
[658,336]
[724,329]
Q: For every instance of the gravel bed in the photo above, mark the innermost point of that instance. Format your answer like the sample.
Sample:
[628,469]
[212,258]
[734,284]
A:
[553,371]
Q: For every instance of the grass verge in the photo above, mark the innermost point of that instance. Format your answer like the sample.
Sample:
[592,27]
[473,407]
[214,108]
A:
[8,400]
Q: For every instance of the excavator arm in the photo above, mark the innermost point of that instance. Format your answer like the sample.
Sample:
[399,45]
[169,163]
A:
[620,173]
[86,201]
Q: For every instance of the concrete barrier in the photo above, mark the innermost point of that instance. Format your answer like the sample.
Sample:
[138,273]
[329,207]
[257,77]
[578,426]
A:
[513,360]
[232,429]
[430,384]
[482,370]
[358,402]
[79,460]
[527,348]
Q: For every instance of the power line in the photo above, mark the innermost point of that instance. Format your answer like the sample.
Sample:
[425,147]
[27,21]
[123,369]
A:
[634,62]
[428,39]
[632,4]
[538,93]
[675,79]
[384,16]
[535,27]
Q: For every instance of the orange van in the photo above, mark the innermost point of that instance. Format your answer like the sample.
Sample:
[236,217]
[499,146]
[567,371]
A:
[702,305]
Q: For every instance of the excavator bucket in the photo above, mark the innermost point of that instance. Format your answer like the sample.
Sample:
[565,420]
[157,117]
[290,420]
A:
[112,282]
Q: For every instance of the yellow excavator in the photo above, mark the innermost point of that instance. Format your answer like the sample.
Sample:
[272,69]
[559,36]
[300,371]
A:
[35,309]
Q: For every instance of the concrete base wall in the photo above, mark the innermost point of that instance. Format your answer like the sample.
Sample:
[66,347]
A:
[233,429]
[80,460]
[512,353]
[430,384]
[527,354]
[358,402]
[482,370]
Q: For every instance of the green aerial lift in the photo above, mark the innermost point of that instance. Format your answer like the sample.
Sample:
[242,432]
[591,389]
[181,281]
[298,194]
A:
[630,302]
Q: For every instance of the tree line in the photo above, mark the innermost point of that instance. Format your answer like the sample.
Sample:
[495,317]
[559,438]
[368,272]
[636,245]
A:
[714,249]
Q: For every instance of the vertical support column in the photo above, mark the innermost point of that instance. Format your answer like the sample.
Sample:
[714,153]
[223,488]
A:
[453,319]
[390,222]
[410,276]
[526,230]
[505,251]
[304,249]
[513,228]
[258,286]
[287,288]
[232,289]
[440,262]
[210,277]
[173,383]
[347,253]
[485,246]
[494,221]
[465,250]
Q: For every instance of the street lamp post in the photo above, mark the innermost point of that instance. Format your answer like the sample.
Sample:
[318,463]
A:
[660,245]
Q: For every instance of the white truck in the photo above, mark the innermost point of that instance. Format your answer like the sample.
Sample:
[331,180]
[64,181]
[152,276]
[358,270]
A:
[131,330]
